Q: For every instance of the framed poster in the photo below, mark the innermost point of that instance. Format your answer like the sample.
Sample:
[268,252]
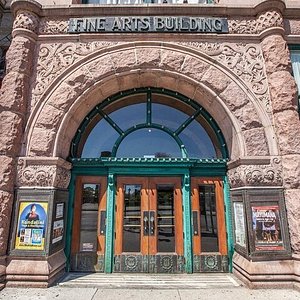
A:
[59,210]
[266,226]
[239,224]
[58,231]
[31,227]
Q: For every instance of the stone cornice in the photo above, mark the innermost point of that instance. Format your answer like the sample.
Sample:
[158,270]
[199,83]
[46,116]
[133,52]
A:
[77,10]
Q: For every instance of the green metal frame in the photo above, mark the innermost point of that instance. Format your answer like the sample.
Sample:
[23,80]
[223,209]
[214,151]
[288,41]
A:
[183,167]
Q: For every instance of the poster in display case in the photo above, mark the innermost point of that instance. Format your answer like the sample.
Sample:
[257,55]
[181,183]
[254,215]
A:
[239,224]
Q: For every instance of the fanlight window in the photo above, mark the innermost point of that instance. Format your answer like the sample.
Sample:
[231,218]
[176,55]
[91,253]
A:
[148,124]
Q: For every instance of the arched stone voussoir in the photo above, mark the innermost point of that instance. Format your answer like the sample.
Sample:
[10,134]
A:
[139,66]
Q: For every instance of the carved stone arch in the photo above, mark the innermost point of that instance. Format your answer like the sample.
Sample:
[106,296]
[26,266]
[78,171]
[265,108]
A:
[187,71]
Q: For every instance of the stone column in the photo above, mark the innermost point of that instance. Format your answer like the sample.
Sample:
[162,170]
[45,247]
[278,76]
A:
[13,107]
[287,125]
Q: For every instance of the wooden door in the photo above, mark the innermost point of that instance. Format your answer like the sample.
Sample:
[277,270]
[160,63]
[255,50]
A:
[149,235]
[88,231]
[208,222]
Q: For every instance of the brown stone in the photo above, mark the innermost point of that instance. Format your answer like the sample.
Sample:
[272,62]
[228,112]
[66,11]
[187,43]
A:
[10,133]
[216,80]
[247,117]
[256,143]
[49,117]
[7,173]
[276,54]
[292,201]
[123,61]
[287,127]
[148,57]
[100,68]
[234,97]
[291,171]
[171,60]
[6,201]
[42,141]
[283,90]
[80,80]
[194,67]
[19,55]
[13,93]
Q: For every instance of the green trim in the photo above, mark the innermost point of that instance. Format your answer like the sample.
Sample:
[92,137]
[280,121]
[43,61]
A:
[70,220]
[294,47]
[110,224]
[187,223]
[148,120]
[229,228]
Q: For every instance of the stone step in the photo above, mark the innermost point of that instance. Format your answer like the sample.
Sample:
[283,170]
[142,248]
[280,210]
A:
[145,281]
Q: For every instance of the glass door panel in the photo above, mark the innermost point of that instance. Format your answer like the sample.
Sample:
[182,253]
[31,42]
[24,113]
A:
[209,231]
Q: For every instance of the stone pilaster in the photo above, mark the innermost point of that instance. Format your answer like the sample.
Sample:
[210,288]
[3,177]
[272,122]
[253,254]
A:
[13,106]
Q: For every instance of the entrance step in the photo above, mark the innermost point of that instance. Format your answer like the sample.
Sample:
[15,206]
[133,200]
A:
[150,281]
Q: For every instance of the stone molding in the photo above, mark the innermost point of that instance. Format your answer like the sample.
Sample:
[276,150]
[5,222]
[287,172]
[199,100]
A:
[43,172]
[255,172]
[26,20]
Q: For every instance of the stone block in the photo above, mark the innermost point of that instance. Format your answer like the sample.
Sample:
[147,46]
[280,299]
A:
[291,171]
[13,93]
[234,97]
[276,54]
[50,117]
[186,88]
[194,67]
[7,173]
[287,128]
[129,81]
[6,202]
[122,61]
[216,80]
[19,55]
[100,68]
[42,141]
[171,60]
[283,90]
[148,79]
[11,125]
[292,201]
[148,57]
[247,117]
[256,143]
[80,80]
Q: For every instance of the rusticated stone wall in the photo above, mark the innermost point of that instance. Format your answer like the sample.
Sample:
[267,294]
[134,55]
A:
[286,120]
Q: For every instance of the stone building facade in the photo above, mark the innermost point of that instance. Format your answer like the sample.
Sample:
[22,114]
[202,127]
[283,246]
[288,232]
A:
[240,77]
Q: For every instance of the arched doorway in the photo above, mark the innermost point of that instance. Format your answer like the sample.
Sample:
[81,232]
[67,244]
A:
[149,166]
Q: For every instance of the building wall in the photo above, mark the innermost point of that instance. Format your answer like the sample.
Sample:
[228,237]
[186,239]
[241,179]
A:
[243,79]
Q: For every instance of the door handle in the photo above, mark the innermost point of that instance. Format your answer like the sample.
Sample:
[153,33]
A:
[152,222]
[146,222]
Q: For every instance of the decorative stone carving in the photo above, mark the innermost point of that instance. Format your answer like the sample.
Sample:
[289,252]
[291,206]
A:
[53,26]
[40,174]
[26,20]
[55,58]
[245,60]
[257,175]
[264,21]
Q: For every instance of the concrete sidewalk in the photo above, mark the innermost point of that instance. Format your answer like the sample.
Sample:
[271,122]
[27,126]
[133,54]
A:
[67,293]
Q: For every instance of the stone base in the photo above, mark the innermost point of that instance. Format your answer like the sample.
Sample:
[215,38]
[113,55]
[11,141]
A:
[34,272]
[265,274]
[2,271]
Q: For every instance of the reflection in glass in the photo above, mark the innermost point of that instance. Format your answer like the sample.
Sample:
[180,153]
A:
[208,218]
[197,142]
[165,219]
[101,139]
[149,142]
[167,116]
[89,217]
[132,218]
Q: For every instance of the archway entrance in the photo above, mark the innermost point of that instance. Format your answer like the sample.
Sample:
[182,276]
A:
[149,173]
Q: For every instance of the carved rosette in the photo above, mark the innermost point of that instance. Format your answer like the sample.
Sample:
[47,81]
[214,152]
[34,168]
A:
[257,175]
[257,25]
[26,20]
[53,26]
[34,174]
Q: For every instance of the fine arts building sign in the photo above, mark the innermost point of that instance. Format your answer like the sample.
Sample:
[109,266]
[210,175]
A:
[148,24]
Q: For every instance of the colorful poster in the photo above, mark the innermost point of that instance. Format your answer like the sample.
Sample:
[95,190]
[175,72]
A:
[240,228]
[32,224]
[266,228]
[58,231]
